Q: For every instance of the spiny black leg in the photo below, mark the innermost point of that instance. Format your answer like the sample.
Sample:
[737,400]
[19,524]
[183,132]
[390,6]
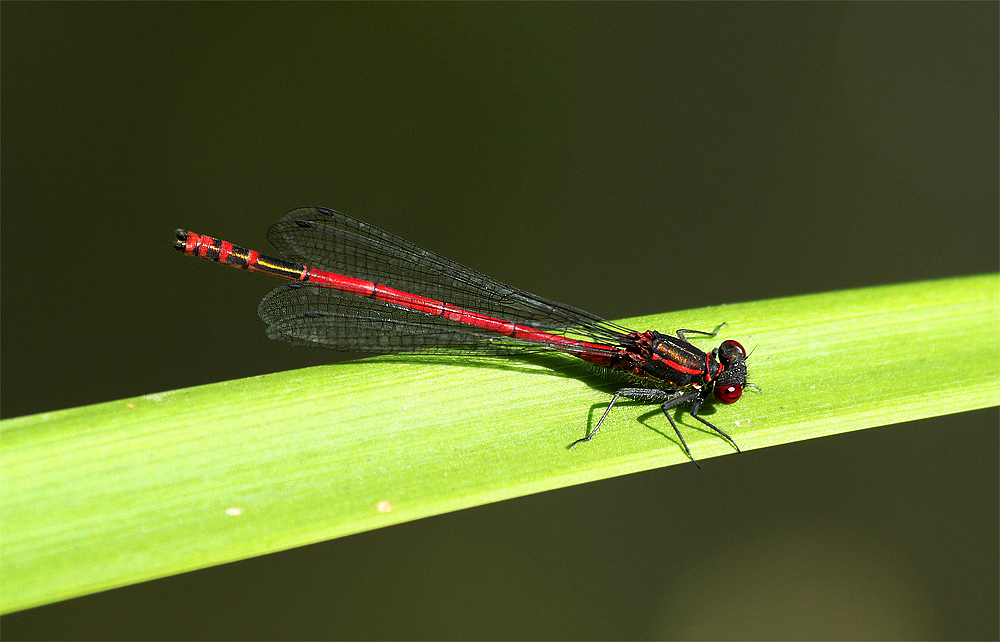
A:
[676,401]
[670,400]
[684,445]
[652,394]
[599,421]
[695,407]
[681,333]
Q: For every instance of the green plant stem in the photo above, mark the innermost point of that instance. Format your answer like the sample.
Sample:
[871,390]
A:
[116,493]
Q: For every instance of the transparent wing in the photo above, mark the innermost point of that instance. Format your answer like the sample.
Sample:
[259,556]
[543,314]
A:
[335,242]
[310,315]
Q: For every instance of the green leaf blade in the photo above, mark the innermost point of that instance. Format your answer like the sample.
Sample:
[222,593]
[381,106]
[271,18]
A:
[116,493]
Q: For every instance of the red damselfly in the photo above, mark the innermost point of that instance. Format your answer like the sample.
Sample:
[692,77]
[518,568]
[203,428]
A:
[357,288]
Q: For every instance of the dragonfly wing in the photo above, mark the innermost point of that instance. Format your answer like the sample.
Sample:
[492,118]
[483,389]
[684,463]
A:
[335,242]
[310,315]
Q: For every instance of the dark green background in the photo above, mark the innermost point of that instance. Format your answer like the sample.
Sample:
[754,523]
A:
[624,158]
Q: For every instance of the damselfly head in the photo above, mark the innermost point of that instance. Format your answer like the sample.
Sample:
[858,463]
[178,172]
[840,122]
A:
[730,382]
[731,352]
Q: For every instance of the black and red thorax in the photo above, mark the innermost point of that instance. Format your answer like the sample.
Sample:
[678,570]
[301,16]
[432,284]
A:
[680,364]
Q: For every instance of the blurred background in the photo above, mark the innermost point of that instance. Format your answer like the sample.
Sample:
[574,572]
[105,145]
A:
[623,158]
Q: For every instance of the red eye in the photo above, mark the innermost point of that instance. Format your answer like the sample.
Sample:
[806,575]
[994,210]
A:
[730,393]
[737,345]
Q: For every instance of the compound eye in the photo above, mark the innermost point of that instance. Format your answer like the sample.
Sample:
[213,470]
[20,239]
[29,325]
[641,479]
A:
[730,393]
[737,345]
